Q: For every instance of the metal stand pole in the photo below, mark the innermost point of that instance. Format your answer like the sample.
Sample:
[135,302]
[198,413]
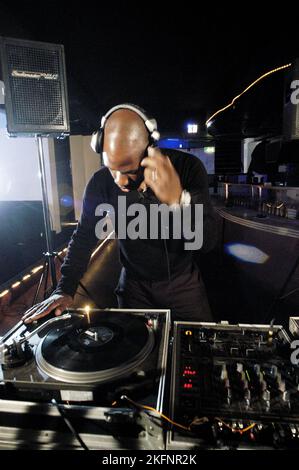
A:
[46,212]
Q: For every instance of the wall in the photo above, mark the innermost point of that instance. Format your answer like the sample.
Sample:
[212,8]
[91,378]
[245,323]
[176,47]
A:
[207,158]
[19,172]
[84,162]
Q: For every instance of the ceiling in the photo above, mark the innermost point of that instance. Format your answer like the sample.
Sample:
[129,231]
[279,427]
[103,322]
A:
[178,63]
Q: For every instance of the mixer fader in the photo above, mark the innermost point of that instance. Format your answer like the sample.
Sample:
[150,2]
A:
[231,378]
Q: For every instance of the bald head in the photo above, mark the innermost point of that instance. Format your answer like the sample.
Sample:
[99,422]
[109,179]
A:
[125,140]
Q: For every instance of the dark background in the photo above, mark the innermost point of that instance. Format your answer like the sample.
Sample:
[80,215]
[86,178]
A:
[180,61]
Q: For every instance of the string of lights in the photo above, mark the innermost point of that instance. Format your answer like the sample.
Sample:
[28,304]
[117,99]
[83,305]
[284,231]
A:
[38,268]
[26,277]
[277,69]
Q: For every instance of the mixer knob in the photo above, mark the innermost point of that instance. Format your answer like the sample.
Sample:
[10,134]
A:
[242,376]
[257,369]
[245,384]
[282,386]
[261,377]
[293,430]
[247,396]
[274,371]
[243,379]
[266,397]
[286,397]
[226,383]
[278,377]
[228,395]
[224,373]
[263,384]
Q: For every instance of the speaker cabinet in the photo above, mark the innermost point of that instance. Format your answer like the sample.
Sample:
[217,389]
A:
[34,78]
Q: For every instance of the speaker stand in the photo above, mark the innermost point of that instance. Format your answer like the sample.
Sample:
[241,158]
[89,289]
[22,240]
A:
[49,255]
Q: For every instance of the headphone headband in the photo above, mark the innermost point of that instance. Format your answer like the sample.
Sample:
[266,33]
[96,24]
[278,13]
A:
[132,107]
[150,124]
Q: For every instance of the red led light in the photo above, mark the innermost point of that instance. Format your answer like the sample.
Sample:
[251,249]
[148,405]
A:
[187,371]
[188,385]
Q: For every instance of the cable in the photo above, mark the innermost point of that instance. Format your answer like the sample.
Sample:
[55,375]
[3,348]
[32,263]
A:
[289,293]
[240,431]
[69,425]
[149,408]
[167,262]
[196,421]
[167,257]
[145,196]
[246,89]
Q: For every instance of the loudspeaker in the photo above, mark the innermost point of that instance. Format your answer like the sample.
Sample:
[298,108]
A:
[34,78]
[150,124]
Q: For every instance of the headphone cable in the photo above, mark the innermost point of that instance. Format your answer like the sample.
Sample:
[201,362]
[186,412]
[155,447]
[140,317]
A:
[61,411]
[167,261]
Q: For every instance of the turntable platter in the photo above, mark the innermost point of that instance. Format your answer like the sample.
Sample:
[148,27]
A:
[109,347]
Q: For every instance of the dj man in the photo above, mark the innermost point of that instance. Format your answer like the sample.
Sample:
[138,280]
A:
[156,273]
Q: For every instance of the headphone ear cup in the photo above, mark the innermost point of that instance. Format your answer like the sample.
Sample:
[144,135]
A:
[96,142]
[152,142]
[100,141]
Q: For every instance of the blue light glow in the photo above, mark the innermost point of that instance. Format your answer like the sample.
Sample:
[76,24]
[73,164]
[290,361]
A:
[66,201]
[172,143]
[246,253]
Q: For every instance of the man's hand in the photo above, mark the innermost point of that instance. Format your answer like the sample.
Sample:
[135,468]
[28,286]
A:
[59,302]
[161,176]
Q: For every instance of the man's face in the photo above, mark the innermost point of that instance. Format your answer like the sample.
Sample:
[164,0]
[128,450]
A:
[125,170]
[125,144]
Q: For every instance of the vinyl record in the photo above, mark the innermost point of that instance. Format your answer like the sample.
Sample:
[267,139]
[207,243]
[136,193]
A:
[108,347]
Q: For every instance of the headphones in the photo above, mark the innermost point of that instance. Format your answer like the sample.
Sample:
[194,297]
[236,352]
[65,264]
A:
[97,138]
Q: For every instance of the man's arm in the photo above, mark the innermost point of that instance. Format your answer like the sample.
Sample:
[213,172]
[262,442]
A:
[168,183]
[81,244]
[76,260]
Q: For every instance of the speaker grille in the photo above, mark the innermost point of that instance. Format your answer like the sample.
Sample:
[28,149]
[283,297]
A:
[35,87]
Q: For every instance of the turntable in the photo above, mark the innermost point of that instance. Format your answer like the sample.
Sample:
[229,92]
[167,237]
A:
[84,364]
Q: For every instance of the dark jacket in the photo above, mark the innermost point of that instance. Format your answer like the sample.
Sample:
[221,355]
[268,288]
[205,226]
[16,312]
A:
[144,259]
